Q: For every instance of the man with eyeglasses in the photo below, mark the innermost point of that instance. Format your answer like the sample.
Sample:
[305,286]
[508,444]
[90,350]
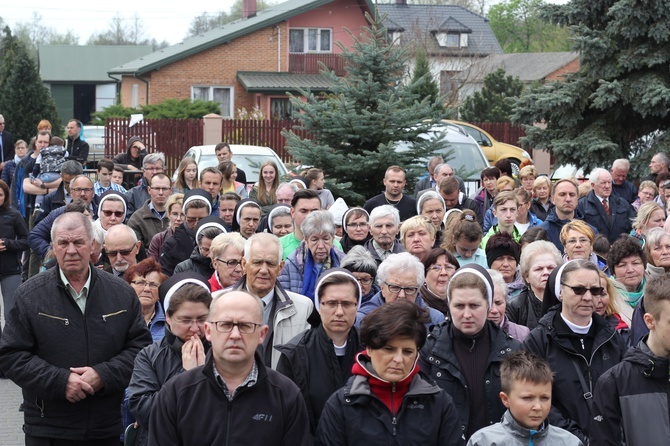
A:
[179,246]
[152,164]
[400,276]
[70,342]
[39,237]
[285,312]
[152,217]
[121,246]
[384,227]
[252,403]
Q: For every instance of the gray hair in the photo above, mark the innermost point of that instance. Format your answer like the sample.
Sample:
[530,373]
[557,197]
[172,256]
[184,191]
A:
[498,281]
[596,173]
[535,248]
[153,158]
[400,262]
[72,220]
[263,238]
[663,157]
[98,235]
[292,186]
[210,233]
[359,260]
[223,241]
[440,166]
[385,211]
[653,238]
[121,227]
[621,163]
[72,167]
[318,222]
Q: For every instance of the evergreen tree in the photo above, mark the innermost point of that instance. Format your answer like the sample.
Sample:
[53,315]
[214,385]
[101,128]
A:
[621,93]
[355,127]
[24,100]
[494,102]
[423,83]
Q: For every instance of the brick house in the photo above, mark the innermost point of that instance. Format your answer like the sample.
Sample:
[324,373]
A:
[254,61]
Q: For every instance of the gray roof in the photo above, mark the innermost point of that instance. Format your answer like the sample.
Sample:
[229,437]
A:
[528,67]
[255,81]
[91,61]
[227,33]
[419,19]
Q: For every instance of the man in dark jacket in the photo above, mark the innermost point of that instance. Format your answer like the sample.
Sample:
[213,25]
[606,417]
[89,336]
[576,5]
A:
[131,159]
[565,196]
[200,262]
[609,214]
[152,164]
[455,199]
[61,196]
[152,217]
[6,144]
[252,403]
[69,343]
[621,187]
[631,399]
[77,148]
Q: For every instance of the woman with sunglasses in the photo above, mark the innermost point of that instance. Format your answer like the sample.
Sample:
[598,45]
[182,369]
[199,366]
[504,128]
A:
[579,344]
[186,298]
[319,360]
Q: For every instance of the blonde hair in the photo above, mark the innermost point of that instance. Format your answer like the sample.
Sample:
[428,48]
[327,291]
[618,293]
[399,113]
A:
[416,222]
[614,305]
[539,181]
[579,226]
[644,214]
[505,181]
[528,171]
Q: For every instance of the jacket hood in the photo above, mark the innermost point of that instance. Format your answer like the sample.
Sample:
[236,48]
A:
[131,141]
[363,367]
[653,367]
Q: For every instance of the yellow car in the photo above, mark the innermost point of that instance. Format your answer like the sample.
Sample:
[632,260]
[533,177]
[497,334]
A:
[494,150]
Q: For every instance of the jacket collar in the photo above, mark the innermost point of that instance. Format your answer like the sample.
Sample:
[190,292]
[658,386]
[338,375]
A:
[519,431]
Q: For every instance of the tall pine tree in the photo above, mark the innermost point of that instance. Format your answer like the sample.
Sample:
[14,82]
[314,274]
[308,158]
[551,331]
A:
[423,83]
[24,100]
[621,93]
[355,127]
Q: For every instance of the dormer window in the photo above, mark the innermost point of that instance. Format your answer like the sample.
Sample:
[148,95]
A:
[452,40]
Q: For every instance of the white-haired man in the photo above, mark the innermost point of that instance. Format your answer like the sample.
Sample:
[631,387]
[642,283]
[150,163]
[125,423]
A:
[609,214]
[621,187]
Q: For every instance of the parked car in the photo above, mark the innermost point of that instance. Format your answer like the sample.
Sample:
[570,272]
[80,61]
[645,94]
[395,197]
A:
[247,158]
[467,160]
[494,150]
[95,137]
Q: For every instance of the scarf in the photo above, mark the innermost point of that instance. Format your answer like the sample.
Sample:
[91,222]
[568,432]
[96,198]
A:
[313,270]
[633,297]
[433,300]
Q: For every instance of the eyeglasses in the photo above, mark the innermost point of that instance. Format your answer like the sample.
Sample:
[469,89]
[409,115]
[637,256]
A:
[333,304]
[227,326]
[188,321]
[85,190]
[439,268]
[123,252]
[582,241]
[581,290]
[357,225]
[117,214]
[143,283]
[192,220]
[230,263]
[366,281]
[161,189]
[408,290]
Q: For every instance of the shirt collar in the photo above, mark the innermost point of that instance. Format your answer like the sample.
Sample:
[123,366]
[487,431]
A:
[87,285]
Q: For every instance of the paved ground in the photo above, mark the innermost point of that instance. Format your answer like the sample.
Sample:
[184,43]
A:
[11,419]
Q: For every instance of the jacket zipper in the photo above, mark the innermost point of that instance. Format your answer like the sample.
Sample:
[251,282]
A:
[589,361]
[66,321]
[395,420]
[105,316]
[40,404]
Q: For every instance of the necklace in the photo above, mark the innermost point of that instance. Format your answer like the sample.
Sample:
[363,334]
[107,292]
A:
[391,202]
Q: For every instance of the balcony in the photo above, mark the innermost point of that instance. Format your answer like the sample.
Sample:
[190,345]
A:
[309,63]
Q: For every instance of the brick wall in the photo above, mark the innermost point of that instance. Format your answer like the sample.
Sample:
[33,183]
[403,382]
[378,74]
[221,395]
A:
[216,66]
[557,75]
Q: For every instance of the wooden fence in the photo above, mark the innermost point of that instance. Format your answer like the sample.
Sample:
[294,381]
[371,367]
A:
[261,133]
[503,131]
[173,137]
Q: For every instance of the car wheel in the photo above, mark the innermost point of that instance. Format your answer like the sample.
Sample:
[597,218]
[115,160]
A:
[515,166]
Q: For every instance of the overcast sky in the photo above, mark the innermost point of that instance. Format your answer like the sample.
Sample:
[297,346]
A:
[163,20]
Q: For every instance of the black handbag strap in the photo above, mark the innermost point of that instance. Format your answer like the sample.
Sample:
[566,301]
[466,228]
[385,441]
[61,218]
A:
[588,395]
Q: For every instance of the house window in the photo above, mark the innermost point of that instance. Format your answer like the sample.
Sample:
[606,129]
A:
[222,95]
[281,108]
[452,40]
[310,40]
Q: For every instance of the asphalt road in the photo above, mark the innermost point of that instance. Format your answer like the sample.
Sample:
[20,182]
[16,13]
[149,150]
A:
[11,420]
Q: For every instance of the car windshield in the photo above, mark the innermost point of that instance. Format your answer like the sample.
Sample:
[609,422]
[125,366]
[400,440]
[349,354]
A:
[94,132]
[250,164]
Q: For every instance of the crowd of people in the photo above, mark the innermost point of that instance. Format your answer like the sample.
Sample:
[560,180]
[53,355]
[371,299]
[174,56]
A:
[225,309]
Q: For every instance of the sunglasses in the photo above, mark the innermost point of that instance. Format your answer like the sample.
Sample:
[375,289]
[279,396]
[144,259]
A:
[581,290]
[117,214]
[123,252]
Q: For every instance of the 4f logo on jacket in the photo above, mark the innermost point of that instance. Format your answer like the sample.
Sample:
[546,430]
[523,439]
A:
[262,417]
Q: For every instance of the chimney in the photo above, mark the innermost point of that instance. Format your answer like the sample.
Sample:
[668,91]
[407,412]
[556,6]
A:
[401,2]
[249,8]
